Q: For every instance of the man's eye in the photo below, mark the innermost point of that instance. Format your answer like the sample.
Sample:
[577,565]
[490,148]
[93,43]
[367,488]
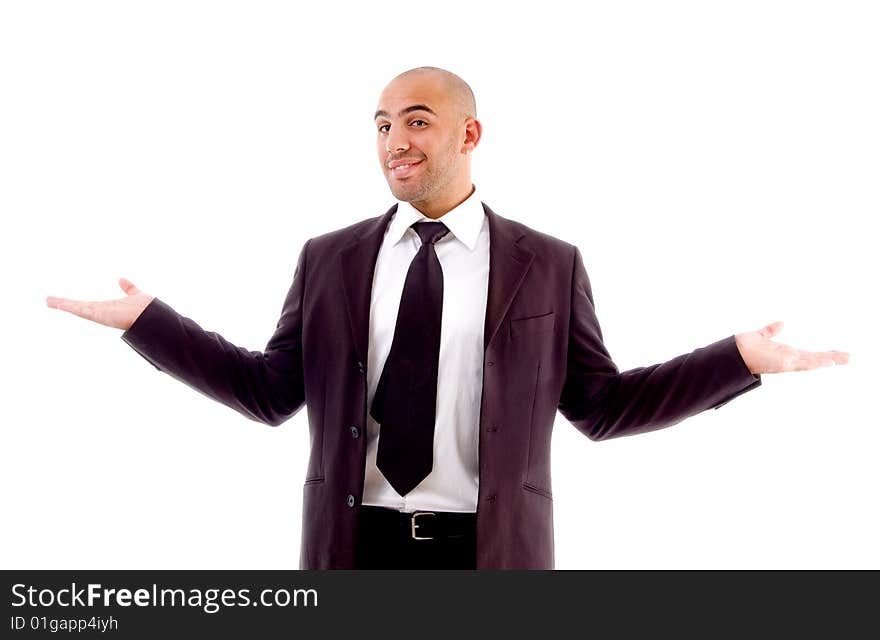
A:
[381,127]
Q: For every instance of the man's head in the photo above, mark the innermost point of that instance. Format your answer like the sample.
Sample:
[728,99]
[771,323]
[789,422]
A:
[426,117]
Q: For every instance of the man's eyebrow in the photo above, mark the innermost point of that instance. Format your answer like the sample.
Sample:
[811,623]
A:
[414,107]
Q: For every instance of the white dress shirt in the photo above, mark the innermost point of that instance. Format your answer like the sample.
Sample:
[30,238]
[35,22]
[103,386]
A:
[464,258]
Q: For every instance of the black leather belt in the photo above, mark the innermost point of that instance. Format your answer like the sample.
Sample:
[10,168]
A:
[420,525]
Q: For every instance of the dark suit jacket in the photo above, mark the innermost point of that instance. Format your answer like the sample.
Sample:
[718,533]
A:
[543,352]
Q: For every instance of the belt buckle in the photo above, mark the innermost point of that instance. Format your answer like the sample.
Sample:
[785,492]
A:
[415,525]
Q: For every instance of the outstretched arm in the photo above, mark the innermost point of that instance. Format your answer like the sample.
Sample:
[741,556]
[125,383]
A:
[264,386]
[602,402]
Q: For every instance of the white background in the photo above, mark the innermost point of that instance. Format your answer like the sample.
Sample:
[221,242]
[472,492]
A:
[716,163]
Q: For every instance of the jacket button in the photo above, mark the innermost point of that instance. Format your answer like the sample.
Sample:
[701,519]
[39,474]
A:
[360,366]
[350,500]
[355,432]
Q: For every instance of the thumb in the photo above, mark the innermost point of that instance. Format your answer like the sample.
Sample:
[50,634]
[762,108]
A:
[128,287]
[772,329]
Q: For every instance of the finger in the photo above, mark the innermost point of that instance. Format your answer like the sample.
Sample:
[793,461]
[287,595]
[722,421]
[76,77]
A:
[827,358]
[806,361]
[65,304]
[77,307]
[772,329]
[813,360]
[127,286]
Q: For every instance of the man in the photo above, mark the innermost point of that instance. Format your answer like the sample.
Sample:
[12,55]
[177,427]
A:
[433,346]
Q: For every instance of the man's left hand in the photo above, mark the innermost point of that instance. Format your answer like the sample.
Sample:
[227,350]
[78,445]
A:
[762,355]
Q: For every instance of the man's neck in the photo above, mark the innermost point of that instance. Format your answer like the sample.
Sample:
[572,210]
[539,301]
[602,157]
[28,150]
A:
[435,210]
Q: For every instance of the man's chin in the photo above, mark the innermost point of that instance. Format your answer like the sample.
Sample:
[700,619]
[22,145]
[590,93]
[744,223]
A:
[404,195]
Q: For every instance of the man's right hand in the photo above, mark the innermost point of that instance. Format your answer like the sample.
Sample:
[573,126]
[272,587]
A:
[119,314]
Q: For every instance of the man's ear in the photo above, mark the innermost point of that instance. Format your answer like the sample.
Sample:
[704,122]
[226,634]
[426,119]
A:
[473,131]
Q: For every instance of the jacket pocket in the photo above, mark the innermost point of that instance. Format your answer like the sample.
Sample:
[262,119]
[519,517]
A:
[538,490]
[315,480]
[532,324]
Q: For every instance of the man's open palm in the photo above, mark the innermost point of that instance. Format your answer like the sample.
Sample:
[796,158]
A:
[120,313]
[762,355]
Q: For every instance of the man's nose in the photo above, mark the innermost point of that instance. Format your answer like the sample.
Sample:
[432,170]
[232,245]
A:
[396,141]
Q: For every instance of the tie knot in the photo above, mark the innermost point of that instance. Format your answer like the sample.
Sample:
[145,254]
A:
[430,232]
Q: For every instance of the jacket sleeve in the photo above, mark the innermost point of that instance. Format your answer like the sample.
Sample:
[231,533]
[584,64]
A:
[266,387]
[603,403]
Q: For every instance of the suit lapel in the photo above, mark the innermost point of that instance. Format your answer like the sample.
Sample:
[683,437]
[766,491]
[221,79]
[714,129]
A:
[508,264]
[357,261]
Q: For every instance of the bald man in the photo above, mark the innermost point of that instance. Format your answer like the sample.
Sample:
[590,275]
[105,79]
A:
[434,345]
[427,118]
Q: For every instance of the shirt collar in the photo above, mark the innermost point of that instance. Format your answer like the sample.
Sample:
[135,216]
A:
[464,221]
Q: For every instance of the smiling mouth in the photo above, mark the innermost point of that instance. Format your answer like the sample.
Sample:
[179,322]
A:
[405,169]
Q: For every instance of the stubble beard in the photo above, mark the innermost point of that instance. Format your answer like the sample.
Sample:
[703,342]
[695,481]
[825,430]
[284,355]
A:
[414,191]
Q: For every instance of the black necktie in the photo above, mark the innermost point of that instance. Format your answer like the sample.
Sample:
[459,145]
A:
[405,401]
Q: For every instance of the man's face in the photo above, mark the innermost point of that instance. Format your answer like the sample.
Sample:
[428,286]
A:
[418,124]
